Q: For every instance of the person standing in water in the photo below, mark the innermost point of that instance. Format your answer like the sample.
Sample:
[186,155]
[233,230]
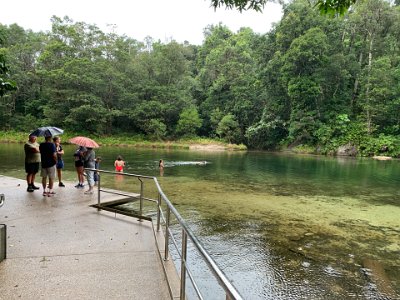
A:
[60,161]
[161,167]
[119,164]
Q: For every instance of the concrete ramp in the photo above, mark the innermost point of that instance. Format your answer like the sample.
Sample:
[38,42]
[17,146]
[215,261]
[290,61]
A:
[60,248]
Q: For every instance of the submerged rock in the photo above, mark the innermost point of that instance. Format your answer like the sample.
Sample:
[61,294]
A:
[381,157]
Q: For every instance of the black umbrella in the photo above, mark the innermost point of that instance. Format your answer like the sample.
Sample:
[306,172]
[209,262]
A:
[47,131]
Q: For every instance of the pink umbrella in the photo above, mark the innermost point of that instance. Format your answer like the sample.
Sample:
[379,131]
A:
[84,141]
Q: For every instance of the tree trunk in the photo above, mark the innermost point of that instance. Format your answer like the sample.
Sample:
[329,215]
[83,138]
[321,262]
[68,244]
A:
[356,82]
[367,100]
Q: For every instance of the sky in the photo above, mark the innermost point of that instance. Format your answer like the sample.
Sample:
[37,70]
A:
[180,20]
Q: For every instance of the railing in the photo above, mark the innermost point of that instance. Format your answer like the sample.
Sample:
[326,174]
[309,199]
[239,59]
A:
[187,235]
[3,234]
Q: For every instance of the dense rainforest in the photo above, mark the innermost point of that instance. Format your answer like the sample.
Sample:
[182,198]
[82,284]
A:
[313,81]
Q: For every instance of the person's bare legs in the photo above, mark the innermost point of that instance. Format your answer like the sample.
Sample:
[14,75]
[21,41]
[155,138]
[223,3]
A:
[59,175]
[82,176]
[29,179]
[44,182]
[77,172]
[51,183]
[90,179]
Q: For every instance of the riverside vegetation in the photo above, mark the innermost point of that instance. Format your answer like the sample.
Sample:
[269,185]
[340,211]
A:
[136,141]
[313,83]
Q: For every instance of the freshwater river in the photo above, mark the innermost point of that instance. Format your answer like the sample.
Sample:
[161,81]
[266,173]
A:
[280,226]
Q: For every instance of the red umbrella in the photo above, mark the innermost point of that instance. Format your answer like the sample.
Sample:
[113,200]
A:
[84,141]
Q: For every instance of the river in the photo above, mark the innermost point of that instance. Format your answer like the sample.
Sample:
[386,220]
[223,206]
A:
[280,226]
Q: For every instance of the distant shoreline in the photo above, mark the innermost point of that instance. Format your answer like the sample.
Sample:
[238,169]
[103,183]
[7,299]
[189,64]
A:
[197,144]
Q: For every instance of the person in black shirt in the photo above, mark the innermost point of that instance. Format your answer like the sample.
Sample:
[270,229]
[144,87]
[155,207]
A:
[49,158]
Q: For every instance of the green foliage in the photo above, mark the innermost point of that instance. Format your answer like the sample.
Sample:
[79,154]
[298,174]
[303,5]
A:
[6,85]
[25,123]
[87,119]
[311,81]
[241,5]
[156,129]
[189,122]
[267,133]
[333,7]
[228,129]
[330,7]
[303,149]
[381,145]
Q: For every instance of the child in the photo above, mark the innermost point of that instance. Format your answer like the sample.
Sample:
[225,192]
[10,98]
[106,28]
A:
[97,166]
[60,161]
[119,164]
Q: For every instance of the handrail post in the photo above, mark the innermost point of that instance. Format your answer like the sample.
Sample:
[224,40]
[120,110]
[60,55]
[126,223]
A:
[98,189]
[158,212]
[141,197]
[166,249]
[183,265]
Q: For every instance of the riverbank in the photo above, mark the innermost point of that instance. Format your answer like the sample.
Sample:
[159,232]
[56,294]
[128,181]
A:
[201,144]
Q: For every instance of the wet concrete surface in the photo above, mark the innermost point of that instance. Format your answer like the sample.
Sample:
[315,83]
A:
[60,248]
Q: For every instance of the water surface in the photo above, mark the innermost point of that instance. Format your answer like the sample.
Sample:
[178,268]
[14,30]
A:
[280,226]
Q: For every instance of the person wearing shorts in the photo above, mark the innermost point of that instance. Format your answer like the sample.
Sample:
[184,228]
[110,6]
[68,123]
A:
[78,157]
[32,162]
[89,162]
[48,157]
[60,161]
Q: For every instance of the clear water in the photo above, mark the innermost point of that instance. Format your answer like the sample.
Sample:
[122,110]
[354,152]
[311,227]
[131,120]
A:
[280,226]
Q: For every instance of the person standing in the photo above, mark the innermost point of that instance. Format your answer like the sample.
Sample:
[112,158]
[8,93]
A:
[48,156]
[60,161]
[89,162]
[78,156]
[97,162]
[161,167]
[32,161]
[119,164]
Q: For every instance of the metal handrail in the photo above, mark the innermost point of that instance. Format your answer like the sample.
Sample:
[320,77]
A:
[230,290]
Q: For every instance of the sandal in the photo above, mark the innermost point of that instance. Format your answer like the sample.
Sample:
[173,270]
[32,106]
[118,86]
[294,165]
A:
[88,192]
[45,194]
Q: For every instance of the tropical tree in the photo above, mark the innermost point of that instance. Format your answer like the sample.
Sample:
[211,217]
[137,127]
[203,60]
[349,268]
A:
[189,122]
[325,6]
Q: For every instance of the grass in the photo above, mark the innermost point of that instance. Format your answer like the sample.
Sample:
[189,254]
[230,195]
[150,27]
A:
[138,141]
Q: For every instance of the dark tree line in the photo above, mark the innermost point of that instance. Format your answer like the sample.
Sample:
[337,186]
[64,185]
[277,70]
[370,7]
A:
[312,80]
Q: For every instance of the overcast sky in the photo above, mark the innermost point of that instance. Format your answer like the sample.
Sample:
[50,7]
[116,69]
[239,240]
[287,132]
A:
[161,19]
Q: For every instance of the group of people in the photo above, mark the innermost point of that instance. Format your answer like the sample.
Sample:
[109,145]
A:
[49,156]
[85,157]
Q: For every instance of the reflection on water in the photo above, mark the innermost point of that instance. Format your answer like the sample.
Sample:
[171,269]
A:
[280,226]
